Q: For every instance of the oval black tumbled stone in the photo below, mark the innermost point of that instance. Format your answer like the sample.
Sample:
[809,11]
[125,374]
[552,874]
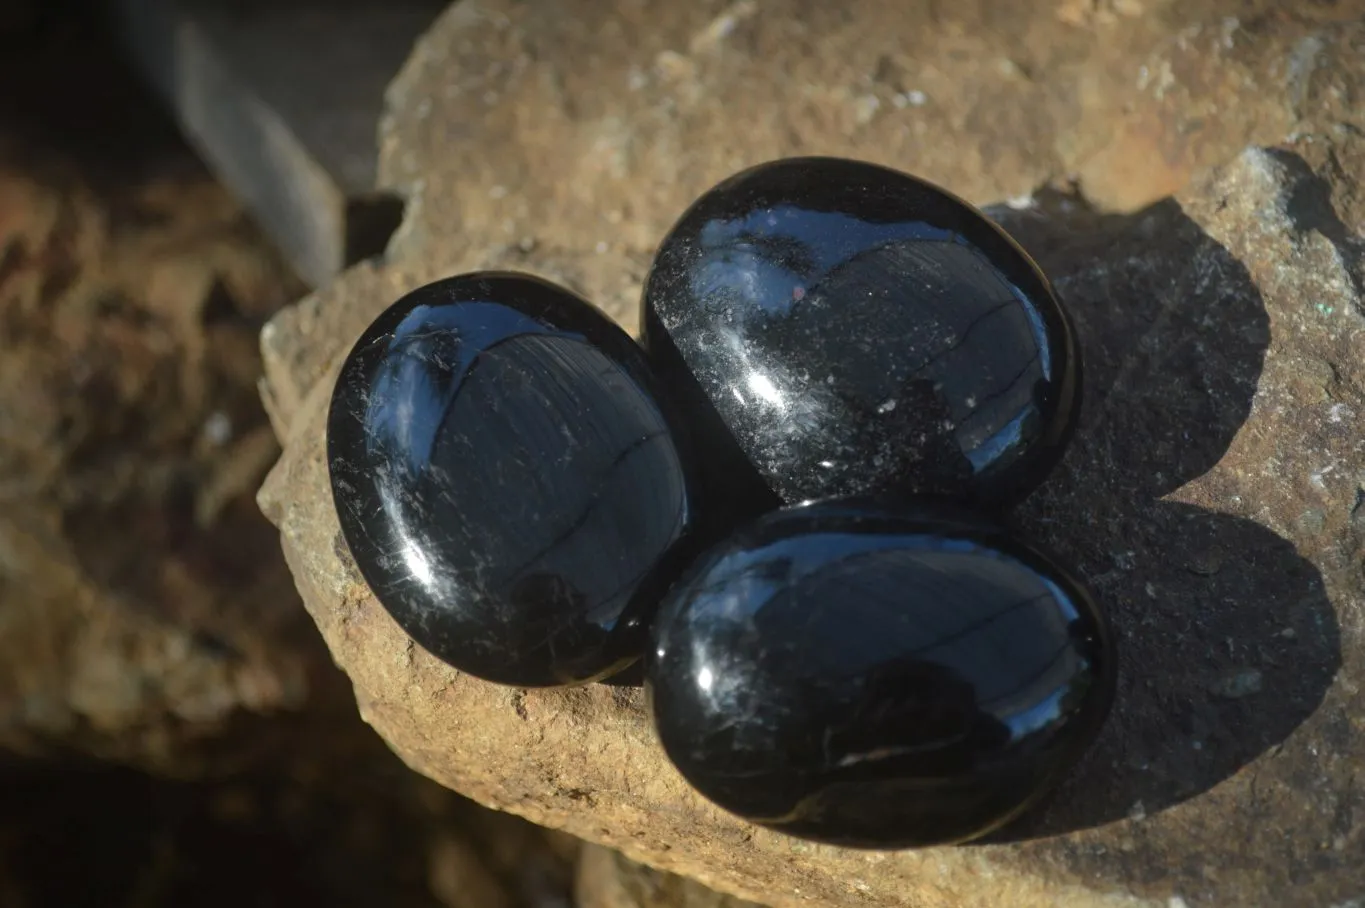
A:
[877,678]
[851,330]
[507,480]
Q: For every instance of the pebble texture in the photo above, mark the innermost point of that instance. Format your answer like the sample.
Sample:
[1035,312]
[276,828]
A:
[1216,468]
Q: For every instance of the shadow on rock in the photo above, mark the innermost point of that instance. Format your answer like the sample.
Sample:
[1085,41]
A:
[1228,641]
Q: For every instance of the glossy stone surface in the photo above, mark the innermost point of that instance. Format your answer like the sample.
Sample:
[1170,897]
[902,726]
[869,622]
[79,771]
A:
[877,678]
[507,481]
[854,331]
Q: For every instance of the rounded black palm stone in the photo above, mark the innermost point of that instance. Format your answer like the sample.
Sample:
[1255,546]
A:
[507,480]
[850,330]
[877,678]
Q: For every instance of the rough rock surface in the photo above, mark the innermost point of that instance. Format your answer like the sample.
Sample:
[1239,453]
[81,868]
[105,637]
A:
[608,879]
[565,137]
[1212,496]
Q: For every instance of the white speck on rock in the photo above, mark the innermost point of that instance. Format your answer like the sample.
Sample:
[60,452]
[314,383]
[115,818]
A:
[1302,61]
[218,428]
[1230,26]
[866,108]
[1238,684]
[1316,479]
[902,100]
[887,405]
[1165,78]
[722,26]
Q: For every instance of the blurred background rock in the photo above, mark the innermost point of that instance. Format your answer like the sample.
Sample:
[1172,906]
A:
[172,730]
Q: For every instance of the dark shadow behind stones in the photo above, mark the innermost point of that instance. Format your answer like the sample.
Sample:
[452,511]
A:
[1228,639]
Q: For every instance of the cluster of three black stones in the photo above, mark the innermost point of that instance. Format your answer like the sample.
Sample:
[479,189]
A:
[780,499]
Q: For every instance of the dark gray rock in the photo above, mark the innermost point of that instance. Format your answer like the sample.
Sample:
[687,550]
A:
[284,100]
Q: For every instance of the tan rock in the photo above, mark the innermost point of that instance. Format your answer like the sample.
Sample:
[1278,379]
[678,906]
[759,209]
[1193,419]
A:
[608,879]
[564,138]
[1211,496]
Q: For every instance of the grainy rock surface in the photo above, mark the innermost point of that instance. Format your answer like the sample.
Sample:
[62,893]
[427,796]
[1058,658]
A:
[608,879]
[1212,495]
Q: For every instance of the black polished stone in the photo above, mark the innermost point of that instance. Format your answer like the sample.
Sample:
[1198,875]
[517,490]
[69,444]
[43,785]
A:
[632,676]
[877,678]
[850,330]
[507,480]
